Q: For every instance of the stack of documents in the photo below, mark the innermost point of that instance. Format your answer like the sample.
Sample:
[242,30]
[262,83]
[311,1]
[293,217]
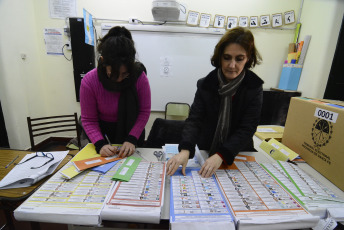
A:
[86,158]
[25,174]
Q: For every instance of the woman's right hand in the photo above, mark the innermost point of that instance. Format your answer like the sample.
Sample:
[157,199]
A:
[179,159]
[108,151]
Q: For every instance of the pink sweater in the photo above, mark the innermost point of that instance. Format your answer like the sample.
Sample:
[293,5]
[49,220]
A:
[99,104]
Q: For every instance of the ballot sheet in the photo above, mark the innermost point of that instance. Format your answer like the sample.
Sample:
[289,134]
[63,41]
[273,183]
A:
[140,199]
[74,201]
[197,203]
[258,201]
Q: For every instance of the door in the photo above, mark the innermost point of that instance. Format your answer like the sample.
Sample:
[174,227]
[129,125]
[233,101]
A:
[335,83]
[3,132]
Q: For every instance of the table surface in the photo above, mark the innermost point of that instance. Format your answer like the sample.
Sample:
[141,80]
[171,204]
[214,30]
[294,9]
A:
[18,194]
[147,154]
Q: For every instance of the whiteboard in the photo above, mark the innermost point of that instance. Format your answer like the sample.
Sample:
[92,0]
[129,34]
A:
[188,56]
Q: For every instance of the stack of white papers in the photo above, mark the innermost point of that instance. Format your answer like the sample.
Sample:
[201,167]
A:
[25,174]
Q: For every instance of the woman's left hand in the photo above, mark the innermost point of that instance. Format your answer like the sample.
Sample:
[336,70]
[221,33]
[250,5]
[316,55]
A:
[126,150]
[210,166]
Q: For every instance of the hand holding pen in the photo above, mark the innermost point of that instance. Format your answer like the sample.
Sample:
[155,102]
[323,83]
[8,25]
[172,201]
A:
[108,150]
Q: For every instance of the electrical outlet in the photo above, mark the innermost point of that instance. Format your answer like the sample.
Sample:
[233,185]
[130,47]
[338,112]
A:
[133,21]
[69,46]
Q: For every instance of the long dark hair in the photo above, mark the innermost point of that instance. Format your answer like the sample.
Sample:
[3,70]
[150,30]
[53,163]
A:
[117,49]
[243,37]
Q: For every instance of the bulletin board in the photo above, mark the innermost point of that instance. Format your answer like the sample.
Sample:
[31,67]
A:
[174,61]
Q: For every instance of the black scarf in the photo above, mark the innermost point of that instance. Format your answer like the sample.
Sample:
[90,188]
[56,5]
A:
[128,105]
[226,91]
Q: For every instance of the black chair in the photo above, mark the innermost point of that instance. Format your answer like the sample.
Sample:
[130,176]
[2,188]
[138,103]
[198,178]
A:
[54,124]
[164,132]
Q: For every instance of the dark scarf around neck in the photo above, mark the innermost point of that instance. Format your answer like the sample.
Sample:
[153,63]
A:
[128,105]
[226,91]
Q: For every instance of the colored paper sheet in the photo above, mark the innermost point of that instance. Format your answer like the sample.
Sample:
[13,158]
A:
[87,152]
[127,169]
[95,161]
[105,167]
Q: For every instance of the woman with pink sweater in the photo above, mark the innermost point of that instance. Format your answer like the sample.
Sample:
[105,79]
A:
[115,97]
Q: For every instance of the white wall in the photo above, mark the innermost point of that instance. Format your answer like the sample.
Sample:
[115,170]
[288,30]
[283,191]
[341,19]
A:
[43,84]
[322,19]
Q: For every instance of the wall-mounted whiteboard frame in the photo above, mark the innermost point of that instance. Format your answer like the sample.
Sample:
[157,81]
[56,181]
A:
[187,50]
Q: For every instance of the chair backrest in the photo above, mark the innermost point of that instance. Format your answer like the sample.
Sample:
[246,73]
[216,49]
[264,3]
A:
[164,132]
[54,124]
[177,110]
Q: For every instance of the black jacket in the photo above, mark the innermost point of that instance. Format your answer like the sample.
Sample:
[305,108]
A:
[201,124]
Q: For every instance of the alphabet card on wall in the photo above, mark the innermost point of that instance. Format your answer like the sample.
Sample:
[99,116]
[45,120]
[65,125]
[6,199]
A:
[254,21]
[232,22]
[243,21]
[193,18]
[265,20]
[289,17]
[277,20]
[205,20]
[219,21]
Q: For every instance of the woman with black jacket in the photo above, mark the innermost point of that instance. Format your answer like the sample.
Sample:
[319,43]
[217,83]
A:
[226,109]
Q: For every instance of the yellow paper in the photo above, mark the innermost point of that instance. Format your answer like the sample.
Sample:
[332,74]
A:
[272,151]
[70,172]
[267,132]
[89,151]
[277,150]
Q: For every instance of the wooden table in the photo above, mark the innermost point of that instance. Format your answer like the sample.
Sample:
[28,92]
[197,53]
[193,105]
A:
[10,199]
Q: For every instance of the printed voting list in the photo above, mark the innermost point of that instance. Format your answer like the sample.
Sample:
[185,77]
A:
[69,201]
[197,203]
[140,199]
[315,197]
[258,201]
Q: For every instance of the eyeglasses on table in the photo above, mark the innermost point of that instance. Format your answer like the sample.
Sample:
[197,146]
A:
[39,154]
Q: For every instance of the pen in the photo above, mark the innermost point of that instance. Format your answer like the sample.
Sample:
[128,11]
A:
[106,137]
[11,162]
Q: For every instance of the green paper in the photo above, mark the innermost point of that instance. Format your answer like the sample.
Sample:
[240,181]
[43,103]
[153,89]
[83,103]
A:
[126,171]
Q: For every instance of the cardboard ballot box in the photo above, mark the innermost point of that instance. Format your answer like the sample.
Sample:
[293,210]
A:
[290,76]
[315,130]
